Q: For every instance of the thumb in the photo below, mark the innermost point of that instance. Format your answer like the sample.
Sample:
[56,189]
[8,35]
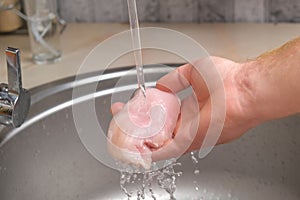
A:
[176,80]
[185,76]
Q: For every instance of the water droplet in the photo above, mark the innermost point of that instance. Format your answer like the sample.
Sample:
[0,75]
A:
[194,159]
[196,172]
[179,174]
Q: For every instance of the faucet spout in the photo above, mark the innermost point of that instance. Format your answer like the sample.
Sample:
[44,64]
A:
[14,100]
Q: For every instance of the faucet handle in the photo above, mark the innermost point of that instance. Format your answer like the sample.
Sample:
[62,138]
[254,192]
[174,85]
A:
[13,69]
[14,100]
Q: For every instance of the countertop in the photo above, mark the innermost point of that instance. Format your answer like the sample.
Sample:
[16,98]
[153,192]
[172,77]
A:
[239,42]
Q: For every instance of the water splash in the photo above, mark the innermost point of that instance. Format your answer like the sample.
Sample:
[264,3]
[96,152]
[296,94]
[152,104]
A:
[165,178]
[124,179]
[196,169]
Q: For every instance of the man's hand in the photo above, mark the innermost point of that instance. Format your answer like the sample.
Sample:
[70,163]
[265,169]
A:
[239,102]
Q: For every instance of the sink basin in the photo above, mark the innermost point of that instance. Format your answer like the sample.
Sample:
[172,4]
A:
[45,159]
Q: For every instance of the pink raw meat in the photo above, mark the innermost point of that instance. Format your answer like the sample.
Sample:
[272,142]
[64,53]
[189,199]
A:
[142,126]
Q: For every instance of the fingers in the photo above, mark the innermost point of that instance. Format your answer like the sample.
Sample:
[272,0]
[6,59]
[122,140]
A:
[185,133]
[179,145]
[171,150]
[116,107]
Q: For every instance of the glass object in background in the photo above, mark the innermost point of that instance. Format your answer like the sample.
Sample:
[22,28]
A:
[44,30]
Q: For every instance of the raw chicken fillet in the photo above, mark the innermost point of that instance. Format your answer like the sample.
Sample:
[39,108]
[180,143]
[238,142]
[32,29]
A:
[142,126]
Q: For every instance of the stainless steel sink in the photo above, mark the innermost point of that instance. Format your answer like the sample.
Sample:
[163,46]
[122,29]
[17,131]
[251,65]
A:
[44,159]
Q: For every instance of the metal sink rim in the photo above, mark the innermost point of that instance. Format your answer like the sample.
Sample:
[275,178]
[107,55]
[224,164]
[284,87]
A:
[43,91]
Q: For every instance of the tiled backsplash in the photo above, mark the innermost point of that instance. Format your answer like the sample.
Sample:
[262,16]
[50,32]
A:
[182,10]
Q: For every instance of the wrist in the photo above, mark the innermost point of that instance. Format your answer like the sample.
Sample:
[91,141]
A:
[269,96]
[250,87]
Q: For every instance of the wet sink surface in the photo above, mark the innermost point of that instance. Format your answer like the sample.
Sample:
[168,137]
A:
[45,159]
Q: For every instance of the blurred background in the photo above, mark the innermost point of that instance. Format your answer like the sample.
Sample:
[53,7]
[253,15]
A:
[226,23]
[182,10]
[193,11]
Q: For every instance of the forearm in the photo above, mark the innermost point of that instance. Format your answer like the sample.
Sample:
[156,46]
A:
[273,82]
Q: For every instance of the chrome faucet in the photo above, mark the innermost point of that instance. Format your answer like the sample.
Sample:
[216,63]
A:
[14,100]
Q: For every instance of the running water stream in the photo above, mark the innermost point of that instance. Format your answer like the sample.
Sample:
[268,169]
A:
[136,43]
[166,177]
